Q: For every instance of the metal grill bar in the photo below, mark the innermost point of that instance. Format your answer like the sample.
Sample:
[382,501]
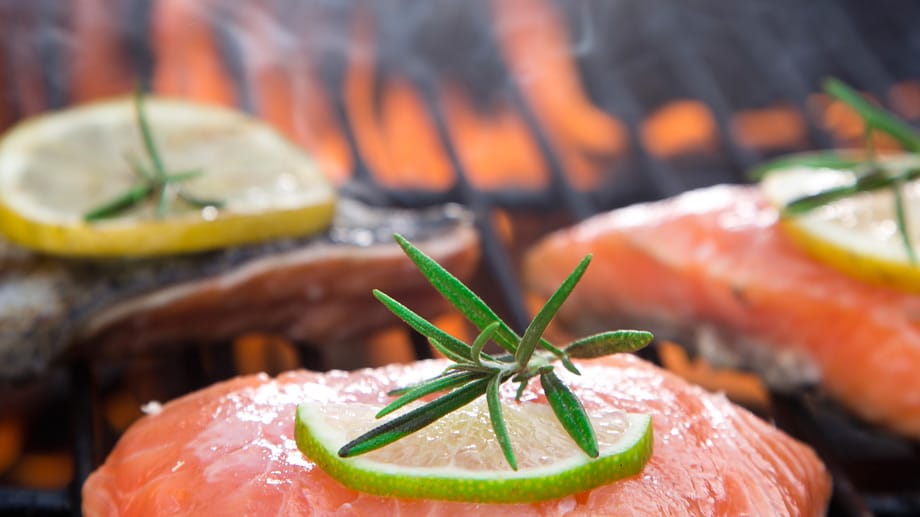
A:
[694,71]
[764,47]
[795,418]
[17,501]
[84,432]
[494,253]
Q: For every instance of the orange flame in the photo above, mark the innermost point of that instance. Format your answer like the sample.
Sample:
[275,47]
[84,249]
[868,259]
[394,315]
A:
[496,150]
[287,94]
[905,99]
[25,66]
[99,67]
[777,127]
[401,147]
[7,108]
[187,58]
[742,387]
[679,127]
[844,124]
[535,45]
[389,346]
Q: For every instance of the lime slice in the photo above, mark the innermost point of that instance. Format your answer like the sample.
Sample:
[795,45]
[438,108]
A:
[857,235]
[458,458]
[57,167]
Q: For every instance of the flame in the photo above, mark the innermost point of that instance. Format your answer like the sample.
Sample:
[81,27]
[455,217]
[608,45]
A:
[742,387]
[777,127]
[187,59]
[7,106]
[258,352]
[904,98]
[24,67]
[12,438]
[392,121]
[47,470]
[844,124]
[679,127]
[454,324]
[535,46]
[496,150]
[401,146]
[389,346]
[121,410]
[287,94]
[98,67]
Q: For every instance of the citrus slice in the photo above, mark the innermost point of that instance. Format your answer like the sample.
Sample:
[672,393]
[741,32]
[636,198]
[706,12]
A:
[458,458]
[56,168]
[857,235]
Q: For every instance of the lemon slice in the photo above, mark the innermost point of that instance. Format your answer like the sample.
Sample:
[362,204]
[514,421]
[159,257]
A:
[55,168]
[857,235]
[457,458]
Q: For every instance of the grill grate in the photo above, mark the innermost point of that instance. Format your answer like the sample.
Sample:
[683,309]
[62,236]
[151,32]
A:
[784,49]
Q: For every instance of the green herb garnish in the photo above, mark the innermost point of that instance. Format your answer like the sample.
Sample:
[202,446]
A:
[476,373]
[871,174]
[155,181]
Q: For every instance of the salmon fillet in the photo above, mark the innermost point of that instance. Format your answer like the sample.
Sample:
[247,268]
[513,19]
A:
[229,450]
[713,266]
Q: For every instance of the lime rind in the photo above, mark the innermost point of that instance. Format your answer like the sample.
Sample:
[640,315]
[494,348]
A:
[622,459]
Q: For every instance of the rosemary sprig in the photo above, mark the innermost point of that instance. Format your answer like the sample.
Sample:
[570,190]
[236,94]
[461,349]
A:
[871,174]
[154,181]
[475,373]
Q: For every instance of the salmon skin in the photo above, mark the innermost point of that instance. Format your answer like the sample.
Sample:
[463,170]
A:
[711,268]
[307,289]
[229,450]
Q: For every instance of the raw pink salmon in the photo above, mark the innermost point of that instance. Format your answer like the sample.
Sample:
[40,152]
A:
[229,450]
[712,266]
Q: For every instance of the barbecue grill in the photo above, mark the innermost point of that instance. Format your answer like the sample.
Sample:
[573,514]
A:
[675,95]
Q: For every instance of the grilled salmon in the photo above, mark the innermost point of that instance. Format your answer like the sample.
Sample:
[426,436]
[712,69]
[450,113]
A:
[229,450]
[713,268]
[307,289]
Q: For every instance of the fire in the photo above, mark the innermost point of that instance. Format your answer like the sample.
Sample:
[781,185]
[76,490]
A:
[535,46]
[496,150]
[844,124]
[287,93]
[100,68]
[28,93]
[775,128]
[376,117]
[257,352]
[905,99]
[679,127]
[400,145]
[187,58]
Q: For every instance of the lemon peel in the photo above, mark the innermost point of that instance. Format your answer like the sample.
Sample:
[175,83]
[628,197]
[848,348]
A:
[56,167]
[856,235]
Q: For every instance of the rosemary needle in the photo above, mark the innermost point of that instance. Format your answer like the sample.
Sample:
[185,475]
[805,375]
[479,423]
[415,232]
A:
[475,373]
[871,174]
[155,180]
